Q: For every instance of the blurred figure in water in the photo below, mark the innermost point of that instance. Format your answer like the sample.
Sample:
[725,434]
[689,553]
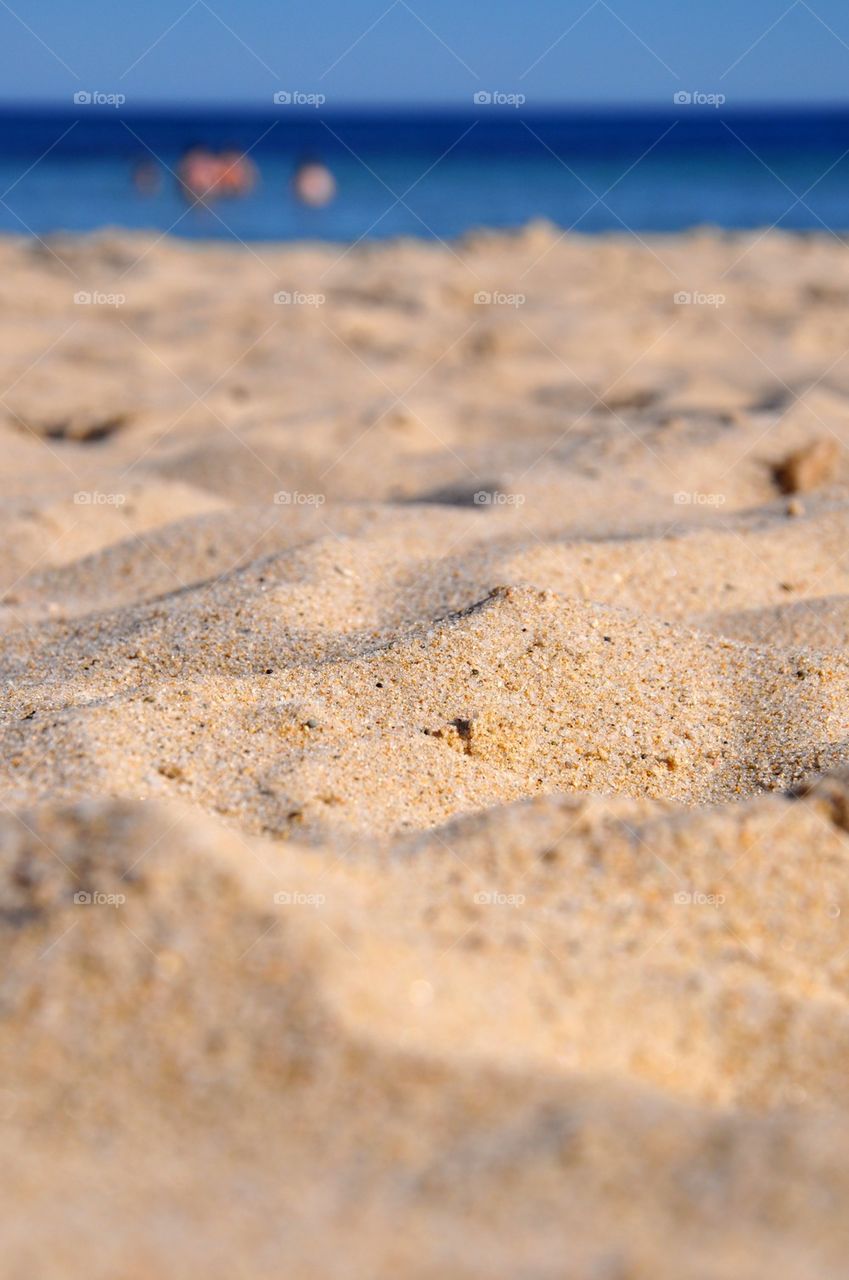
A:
[204,176]
[147,178]
[198,173]
[238,174]
[313,183]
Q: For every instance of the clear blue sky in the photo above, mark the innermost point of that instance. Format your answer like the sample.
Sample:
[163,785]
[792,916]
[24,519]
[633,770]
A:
[425,51]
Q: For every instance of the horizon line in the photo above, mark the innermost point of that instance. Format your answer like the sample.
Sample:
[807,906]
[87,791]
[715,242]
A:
[418,107]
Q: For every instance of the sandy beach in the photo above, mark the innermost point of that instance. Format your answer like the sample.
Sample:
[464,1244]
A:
[424,797]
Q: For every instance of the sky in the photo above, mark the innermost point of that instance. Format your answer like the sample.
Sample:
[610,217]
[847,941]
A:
[420,52]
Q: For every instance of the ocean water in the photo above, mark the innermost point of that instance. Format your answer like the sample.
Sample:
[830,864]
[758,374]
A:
[434,174]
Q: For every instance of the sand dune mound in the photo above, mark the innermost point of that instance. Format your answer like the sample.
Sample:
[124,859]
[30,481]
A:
[524,691]
[456,1011]
[118,910]
[726,928]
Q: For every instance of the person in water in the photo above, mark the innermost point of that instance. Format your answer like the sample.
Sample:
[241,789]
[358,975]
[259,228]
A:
[147,178]
[312,183]
[204,175]
[238,174]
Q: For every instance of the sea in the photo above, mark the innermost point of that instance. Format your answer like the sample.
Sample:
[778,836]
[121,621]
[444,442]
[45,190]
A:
[433,174]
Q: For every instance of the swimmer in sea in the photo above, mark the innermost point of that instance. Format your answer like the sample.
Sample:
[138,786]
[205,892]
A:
[147,178]
[313,184]
[238,174]
[198,173]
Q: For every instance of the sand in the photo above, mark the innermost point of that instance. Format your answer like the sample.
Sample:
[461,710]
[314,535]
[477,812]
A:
[424,804]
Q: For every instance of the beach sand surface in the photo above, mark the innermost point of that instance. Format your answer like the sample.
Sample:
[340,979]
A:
[424,797]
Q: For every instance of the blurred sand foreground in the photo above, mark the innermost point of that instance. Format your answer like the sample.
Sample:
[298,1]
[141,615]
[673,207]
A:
[425,834]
